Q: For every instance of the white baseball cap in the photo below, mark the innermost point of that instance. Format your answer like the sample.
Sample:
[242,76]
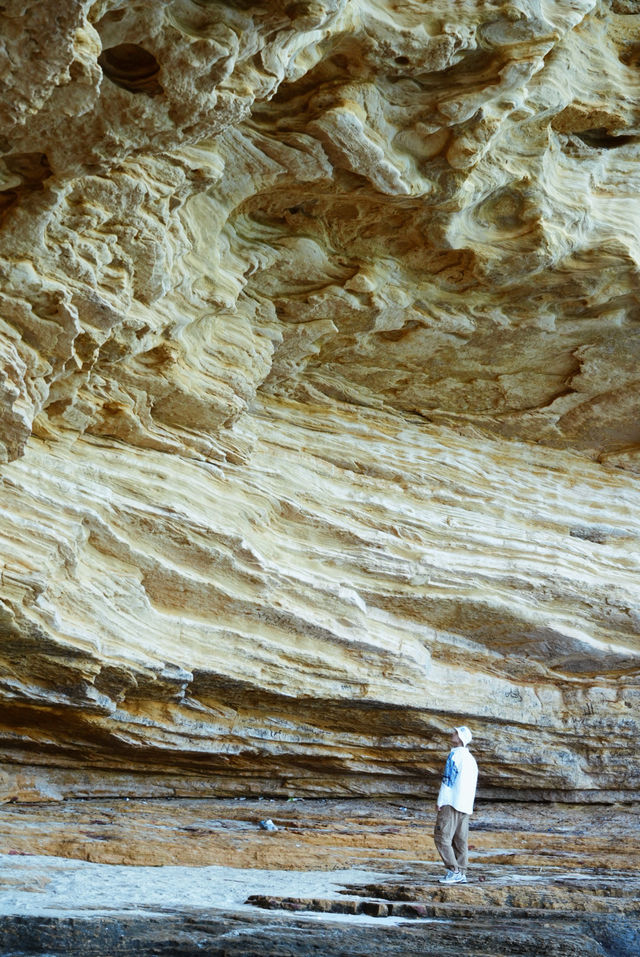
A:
[464,734]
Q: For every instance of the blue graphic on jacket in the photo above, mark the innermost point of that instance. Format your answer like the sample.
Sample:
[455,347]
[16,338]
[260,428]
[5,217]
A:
[451,772]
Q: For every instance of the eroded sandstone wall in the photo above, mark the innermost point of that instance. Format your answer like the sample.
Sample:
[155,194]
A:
[318,398]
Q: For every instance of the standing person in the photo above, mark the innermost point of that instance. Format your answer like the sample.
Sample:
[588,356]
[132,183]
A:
[455,807]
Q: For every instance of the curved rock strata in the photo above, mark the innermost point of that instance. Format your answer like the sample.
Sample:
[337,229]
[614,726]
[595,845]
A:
[318,397]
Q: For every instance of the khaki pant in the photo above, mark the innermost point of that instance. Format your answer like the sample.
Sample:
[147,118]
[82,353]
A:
[451,835]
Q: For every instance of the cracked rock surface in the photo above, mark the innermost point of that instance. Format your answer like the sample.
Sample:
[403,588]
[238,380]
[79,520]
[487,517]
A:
[318,396]
[338,877]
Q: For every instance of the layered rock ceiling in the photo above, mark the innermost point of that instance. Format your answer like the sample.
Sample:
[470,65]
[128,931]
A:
[319,395]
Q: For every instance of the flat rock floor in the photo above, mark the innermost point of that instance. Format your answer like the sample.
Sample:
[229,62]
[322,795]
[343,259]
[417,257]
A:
[179,877]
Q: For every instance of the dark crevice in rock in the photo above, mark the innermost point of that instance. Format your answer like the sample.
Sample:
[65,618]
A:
[26,173]
[132,68]
[601,139]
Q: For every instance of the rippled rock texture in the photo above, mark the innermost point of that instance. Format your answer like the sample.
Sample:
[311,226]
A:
[318,395]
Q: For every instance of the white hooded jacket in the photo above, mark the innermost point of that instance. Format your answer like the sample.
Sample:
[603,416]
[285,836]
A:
[459,781]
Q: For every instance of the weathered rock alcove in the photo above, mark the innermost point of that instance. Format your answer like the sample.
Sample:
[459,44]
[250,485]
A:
[319,417]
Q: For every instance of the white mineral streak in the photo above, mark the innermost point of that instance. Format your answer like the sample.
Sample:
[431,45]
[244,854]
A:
[318,393]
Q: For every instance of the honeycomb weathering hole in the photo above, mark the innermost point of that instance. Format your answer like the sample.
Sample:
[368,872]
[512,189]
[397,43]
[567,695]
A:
[131,67]
[28,171]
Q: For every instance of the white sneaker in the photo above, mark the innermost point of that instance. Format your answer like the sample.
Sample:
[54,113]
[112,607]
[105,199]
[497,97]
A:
[453,877]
